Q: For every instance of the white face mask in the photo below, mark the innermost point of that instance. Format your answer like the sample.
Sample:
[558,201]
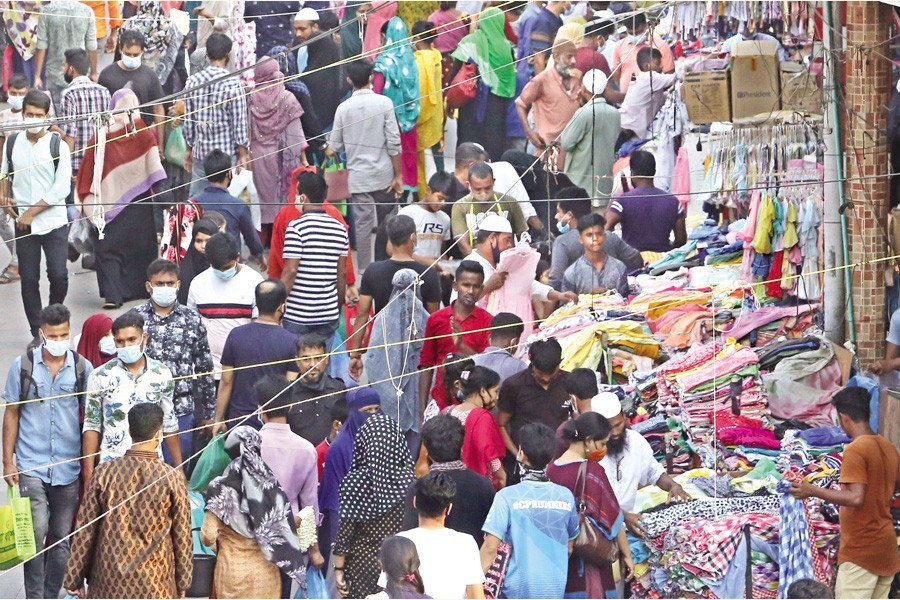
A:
[35,126]
[56,348]
[132,62]
[130,354]
[16,102]
[108,346]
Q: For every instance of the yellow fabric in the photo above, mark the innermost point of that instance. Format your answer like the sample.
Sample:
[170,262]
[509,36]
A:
[790,233]
[762,241]
[430,125]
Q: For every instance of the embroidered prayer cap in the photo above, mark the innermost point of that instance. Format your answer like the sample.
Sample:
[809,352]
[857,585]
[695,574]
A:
[607,404]
[306,14]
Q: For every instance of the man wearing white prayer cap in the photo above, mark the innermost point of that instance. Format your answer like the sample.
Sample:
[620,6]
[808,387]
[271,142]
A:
[629,461]
[590,138]
[315,58]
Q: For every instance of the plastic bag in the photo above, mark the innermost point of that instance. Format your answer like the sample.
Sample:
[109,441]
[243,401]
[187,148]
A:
[80,236]
[211,464]
[316,586]
[176,147]
[16,530]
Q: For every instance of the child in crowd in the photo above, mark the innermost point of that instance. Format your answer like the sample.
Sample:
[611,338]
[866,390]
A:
[595,272]
[339,414]
[432,223]
[400,565]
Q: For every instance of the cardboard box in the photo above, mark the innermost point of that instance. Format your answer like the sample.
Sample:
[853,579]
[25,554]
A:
[755,79]
[799,90]
[707,96]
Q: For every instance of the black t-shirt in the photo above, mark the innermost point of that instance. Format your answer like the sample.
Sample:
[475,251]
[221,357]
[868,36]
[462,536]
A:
[144,82]
[528,402]
[474,496]
[312,420]
[376,281]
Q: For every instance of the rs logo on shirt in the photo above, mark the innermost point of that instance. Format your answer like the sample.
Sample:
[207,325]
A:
[437,229]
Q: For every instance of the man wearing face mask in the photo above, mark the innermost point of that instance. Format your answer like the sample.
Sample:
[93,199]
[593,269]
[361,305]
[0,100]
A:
[42,433]
[629,462]
[469,212]
[177,338]
[625,59]
[113,389]
[314,396]
[215,197]
[36,200]
[224,294]
[263,342]
[554,95]
[130,71]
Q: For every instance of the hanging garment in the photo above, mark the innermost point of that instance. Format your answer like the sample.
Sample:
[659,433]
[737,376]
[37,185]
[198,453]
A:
[794,556]
[515,295]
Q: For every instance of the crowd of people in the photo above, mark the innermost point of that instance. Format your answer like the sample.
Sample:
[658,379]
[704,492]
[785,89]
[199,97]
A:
[322,297]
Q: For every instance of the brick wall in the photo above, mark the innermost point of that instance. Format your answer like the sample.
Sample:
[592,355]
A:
[867,91]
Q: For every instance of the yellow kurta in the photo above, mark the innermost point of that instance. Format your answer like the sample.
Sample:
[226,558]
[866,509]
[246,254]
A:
[430,126]
[241,569]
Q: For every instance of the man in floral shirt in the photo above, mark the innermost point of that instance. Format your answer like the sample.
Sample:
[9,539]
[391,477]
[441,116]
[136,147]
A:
[176,336]
[113,389]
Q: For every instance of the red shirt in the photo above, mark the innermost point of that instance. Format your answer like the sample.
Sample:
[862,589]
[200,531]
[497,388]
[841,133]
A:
[321,451]
[279,230]
[436,349]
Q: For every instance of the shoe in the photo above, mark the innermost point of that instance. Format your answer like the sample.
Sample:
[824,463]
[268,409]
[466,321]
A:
[111,305]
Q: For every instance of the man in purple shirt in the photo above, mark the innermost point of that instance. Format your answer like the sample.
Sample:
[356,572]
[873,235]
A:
[292,459]
[649,216]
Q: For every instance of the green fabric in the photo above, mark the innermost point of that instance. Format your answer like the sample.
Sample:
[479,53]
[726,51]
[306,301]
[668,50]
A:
[211,464]
[490,50]
[401,74]
[16,530]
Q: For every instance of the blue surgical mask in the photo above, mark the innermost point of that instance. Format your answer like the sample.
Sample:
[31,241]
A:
[635,39]
[130,354]
[164,296]
[108,346]
[227,274]
[562,228]
[132,62]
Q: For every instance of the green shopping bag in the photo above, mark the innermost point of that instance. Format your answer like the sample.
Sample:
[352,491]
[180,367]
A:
[16,530]
[210,465]
[337,178]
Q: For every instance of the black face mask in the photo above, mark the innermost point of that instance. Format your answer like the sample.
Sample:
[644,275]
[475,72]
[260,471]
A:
[68,77]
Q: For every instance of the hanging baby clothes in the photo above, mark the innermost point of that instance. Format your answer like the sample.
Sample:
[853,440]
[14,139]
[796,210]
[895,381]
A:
[515,295]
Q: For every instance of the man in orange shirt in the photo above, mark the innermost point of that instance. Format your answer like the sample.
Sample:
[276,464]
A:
[625,63]
[870,475]
[100,18]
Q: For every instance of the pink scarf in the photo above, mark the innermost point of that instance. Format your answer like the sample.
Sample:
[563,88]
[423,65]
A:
[382,12]
[272,107]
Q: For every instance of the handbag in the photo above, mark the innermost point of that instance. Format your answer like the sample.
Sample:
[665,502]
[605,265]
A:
[16,530]
[463,87]
[592,544]
[176,147]
[338,179]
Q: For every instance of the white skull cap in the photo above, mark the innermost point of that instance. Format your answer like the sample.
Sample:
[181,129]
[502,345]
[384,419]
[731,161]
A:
[607,404]
[595,81]
[307,14]
[495,224]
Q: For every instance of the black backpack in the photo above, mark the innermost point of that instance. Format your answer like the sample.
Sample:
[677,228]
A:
[10,142]
[26,377]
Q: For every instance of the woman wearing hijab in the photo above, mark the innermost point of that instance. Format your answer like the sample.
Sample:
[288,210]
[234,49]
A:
[309,119]
[194,261]
[163,38]
[352,35]
[96,343]
[372,496]
[382,11]
[276,139]
[483,120]
[362,403]
[249,524]
[396,76]
[120,167]
[396,341]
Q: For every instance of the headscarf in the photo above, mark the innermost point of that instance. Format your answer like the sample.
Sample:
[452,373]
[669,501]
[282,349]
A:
[396,342]
[401,75]
[272,107]
[287,64]
[21,19]
[340,453]
[151,20]
[351,35]
[93,330]
[131,169]
[194,262]
[249,500]
[491,51]
[382,12]
[380,474]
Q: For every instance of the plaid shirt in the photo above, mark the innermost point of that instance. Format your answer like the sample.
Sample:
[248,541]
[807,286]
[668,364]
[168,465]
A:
[179,341]
[215,116]
[82,98]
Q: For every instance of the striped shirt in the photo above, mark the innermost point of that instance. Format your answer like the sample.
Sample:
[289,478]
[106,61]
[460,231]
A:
[80,100]
[217,114]
[318,241]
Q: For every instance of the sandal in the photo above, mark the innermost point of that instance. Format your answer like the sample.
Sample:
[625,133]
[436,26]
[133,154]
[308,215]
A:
[8,276]
[108,305]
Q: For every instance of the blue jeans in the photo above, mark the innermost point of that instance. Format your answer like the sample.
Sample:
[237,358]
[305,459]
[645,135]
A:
[323,330]
[186,441]
[53,512]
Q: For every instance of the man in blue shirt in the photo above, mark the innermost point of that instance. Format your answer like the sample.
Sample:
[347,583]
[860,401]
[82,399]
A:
[238,221]
[538,518]
[46,439]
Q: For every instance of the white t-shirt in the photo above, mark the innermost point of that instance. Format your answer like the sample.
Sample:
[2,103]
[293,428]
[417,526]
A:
[224,305]
[432,229]
[445,579]
[634,468]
